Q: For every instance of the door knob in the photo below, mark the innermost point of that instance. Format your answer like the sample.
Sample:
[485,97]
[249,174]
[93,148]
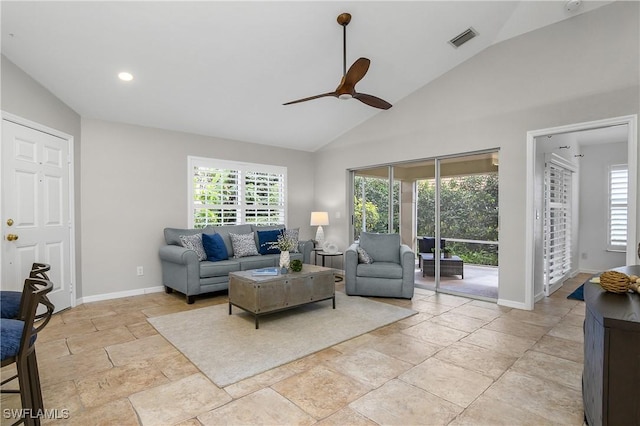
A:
[12,237]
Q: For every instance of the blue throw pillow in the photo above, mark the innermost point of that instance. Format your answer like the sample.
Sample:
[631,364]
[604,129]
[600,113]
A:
[265,238]
[214,247]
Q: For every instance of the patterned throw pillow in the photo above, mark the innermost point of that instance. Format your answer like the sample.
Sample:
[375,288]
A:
[363,256]
[194,242]
[243,245]
[294,234]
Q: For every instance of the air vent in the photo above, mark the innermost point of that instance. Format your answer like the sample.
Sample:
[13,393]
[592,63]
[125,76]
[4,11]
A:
[463,37]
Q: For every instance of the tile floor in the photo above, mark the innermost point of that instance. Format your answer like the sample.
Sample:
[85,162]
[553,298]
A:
[457,362]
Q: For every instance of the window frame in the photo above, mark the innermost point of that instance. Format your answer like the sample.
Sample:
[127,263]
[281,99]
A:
[242,205]
[619,205]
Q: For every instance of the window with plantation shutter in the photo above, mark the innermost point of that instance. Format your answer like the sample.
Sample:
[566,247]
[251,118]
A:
[557,221]
[618,192]
[231,193]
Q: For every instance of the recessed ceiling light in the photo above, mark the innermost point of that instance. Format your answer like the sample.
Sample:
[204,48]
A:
[125,76]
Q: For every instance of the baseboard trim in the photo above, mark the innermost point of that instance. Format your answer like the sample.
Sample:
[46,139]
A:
[119,294]
[512,304]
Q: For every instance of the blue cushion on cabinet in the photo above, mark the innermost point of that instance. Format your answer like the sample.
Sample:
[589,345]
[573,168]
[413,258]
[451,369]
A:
[10,304]
[214,247]
[265,238]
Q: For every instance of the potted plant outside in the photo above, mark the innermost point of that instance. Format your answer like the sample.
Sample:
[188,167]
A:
[446,252]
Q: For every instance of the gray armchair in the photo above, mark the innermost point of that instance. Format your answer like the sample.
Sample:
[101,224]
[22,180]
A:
[392,272]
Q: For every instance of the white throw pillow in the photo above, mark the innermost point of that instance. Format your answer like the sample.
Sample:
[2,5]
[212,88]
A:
[194,242]
[363,256]
[294,233]
[243,245]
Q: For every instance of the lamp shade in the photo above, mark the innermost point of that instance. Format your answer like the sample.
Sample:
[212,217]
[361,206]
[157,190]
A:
[319,218]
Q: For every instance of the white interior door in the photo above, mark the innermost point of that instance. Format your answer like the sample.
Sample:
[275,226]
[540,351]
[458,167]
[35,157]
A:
[35,209]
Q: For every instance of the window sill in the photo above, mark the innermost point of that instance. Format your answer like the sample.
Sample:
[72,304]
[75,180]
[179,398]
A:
[616,250]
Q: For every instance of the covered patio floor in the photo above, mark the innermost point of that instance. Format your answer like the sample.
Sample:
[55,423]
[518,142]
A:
[479,281]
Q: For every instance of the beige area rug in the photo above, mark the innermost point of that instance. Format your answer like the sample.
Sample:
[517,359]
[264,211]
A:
[228,348]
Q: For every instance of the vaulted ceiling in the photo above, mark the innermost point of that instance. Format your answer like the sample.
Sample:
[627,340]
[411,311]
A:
[224,69]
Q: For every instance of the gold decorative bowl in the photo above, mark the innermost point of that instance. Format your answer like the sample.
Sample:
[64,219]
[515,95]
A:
[614,282]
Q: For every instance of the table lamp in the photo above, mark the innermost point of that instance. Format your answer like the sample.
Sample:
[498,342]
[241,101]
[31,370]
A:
[319,219]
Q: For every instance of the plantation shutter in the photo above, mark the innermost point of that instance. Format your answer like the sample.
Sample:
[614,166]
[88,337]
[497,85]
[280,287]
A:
[264,198]
[230,193]
[618,193]
[557,221]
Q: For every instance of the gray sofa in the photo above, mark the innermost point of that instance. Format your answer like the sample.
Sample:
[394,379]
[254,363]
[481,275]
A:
[391,272]
[184,272]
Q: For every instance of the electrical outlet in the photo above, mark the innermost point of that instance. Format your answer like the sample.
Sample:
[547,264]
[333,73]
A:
[140,271]
[583,256]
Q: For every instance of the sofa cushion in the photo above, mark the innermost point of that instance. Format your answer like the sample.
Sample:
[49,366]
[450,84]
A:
[224,231]
[218,269]
[260,261]
[389,270]
[243,244]
[194,242]
[214,247]
[381,247]
[265,239]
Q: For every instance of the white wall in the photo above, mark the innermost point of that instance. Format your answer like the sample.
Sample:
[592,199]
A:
[582,69]
[594,196]
[25,97]
[134,184]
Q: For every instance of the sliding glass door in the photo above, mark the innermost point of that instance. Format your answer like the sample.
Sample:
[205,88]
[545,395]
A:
[446,209]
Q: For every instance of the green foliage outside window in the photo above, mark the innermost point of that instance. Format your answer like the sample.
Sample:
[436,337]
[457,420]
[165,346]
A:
[469,210]
[376,205]
[218,197]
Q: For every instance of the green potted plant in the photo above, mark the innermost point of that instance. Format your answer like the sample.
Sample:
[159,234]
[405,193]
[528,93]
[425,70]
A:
[446,252]
[296,265]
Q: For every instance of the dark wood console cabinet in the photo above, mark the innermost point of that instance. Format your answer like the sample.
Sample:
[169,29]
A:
[611,376]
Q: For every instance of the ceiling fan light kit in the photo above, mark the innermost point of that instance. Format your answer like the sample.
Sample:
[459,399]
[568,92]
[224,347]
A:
[347,88]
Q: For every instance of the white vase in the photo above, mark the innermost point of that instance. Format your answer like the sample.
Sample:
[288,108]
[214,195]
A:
[285,259]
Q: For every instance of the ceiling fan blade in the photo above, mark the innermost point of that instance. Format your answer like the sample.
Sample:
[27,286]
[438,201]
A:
[311,98]
[356,72]
[372,101]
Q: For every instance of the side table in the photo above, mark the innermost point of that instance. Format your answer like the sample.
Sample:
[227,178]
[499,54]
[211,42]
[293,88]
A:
[323,254]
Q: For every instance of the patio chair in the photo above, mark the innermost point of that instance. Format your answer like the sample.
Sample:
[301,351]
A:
[426,246]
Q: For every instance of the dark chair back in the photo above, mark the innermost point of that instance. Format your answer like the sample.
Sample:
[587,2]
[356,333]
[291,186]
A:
[39,270]
[427,244]
[34,294]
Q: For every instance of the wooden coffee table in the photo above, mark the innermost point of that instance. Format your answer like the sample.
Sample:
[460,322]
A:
[260,295]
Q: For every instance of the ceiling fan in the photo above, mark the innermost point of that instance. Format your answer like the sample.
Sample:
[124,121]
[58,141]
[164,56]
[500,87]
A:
[347,87]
